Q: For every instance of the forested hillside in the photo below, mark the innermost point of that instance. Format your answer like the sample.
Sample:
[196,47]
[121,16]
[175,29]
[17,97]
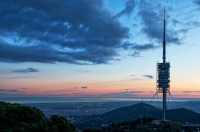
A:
[19,118]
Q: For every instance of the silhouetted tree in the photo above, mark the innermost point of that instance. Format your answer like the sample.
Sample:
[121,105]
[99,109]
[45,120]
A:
[61,124]
[20,118]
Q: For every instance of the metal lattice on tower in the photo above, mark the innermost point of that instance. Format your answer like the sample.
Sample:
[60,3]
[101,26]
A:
[163,75]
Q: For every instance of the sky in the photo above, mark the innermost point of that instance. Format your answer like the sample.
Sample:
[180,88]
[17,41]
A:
[98,48]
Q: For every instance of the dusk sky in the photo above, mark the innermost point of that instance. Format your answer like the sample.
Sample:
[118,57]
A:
[98,48]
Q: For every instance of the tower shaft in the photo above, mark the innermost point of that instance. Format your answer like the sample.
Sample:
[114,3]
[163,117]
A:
[163,75]
[164,61]
[164,104]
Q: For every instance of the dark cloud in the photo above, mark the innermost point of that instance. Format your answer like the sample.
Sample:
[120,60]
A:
[126,89]
[187,24]
[25,70]
[134,25]
[10,91]
[151,91]
[138,47]
[175,22]
[148,76]
[84,87]
[39,53]
[197,2]
[193,24]
[129,7]
[72,31]
[152,20]
[136,54]
[183,30]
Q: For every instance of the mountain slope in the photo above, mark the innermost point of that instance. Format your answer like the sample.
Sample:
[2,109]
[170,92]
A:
[129,112]
[132,112]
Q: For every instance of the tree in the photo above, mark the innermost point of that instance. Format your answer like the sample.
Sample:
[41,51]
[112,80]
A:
[20,118]
[61,124]
[16,117]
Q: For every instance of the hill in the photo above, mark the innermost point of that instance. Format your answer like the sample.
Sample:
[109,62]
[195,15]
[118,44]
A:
[129,112]
[20,118]
[132,112]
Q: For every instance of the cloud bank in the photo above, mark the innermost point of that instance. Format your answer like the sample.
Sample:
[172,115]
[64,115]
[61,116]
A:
[81,31]
[148,76]
[72,31]
[10,91]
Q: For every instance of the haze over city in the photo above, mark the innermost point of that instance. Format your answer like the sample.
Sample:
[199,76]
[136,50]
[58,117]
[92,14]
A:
[97,48]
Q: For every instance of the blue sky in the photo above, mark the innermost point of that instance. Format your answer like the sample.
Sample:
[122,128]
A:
[98,48]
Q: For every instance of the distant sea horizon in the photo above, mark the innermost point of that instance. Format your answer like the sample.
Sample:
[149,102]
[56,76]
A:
[57,99]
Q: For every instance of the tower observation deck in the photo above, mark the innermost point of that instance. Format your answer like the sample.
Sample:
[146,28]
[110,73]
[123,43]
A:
[163,75]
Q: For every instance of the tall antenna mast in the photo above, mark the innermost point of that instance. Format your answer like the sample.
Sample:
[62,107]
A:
[164,42]
[164,59]
[163,75]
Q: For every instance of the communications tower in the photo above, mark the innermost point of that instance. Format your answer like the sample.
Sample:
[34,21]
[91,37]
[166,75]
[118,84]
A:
[163,75]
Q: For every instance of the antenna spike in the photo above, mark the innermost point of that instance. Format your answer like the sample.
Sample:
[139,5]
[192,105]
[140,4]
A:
[164,42]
